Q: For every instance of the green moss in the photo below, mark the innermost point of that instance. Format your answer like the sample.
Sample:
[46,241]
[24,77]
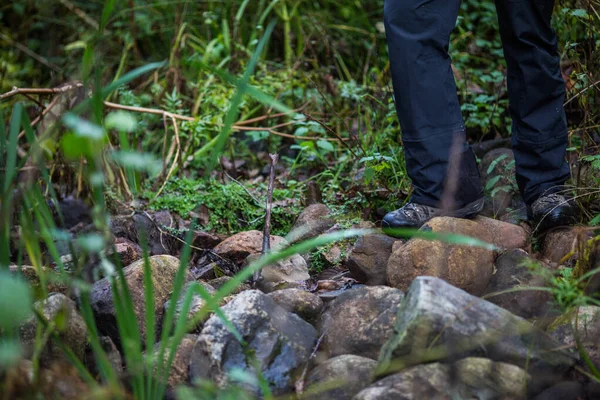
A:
[232,208]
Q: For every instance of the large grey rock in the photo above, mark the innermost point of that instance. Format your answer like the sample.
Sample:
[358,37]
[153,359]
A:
[470,378]
[305,304]
[313,221]
[60,312]
[467,267]
[368,259]
[512,273]
[360,321]
[163,268]
[280,341]
[345,376]
[437,320]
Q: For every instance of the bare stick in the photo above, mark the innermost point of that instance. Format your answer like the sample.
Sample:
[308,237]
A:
[267,231]
[61,89]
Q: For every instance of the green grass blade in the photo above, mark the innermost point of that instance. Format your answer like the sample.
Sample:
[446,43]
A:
[150,315]
[11,150]
[167,326]
[241,85]
[109,6]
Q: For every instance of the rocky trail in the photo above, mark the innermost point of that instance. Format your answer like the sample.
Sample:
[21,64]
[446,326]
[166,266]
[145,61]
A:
[396,319]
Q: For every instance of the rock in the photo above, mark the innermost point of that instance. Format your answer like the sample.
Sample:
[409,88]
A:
[482,148]
[195,306]
[74,211]
[205,240]
[499,181]
[287,273]
[60,310]
[563,391]
[592,390]
[127,251]
[558,244]
[367,261]
[360,321]
[239,246]
[123,226]
[59,381]
[505,236]
[164,269]
[152,228]
[469,268]
[313,221]
[219,282]
[436,315]
[511,273]
[587,321]
[179,371]
[306,305]
[281,342]
[470,378]
[53,279]
[348,374]
[112,353]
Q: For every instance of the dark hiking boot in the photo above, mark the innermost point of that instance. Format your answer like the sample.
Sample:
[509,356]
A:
[552,211]
[414,215]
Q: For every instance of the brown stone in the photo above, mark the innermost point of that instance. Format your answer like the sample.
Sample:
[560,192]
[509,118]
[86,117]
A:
[347,374]
[306,305]
[466,267]
[239,246]
[313,221]
[368,259]
[30,274]
[506,236]
[179,371]
[360,321]
[60,310]
[59,381]
[127,251]
[558,244]
[512,273]
[164,269]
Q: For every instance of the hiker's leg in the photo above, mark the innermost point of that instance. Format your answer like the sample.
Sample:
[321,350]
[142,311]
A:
[536,92]
[418,34]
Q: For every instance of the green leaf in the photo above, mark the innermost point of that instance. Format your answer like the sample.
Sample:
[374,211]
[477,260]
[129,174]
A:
[75,146]
[16,301]
[492,182]
[142,162]
[10,353]
[109,5]
[495,162]
[121,121]
[92,243]
[595,221]
[325,145]
[83,127]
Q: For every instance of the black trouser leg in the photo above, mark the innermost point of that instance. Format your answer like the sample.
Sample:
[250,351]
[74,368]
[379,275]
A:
[536,92]
[433,132]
